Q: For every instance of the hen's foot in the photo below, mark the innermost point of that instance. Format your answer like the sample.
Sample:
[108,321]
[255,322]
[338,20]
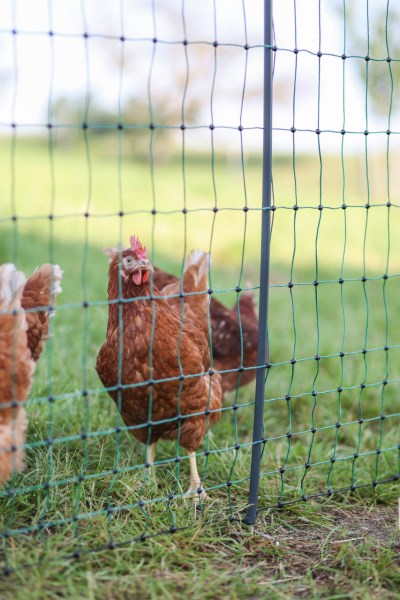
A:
[196,489]
[197,492]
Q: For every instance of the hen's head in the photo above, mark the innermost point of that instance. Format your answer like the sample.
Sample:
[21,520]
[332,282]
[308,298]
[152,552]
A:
[135,265]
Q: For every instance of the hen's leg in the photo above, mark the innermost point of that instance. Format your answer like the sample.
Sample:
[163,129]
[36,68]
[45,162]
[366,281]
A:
[152,453]
[149,471]
[195,481]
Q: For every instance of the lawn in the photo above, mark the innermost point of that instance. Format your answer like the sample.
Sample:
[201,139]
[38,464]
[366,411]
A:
[69,500]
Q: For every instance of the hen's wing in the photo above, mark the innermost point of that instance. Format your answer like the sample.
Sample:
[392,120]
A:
[195,285]
[16,368]
[229,352]
[39,294]
[162,278]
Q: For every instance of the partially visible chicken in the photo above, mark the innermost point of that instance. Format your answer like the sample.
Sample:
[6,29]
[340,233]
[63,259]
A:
[38,300]
[227,349]
[16,369]
[160,347]
[248,307]
[235,342]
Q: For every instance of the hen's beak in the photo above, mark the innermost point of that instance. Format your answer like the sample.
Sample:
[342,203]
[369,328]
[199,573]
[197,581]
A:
[139,271]
[140,275]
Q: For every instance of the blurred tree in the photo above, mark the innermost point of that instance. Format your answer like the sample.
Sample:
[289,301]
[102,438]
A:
[171,83]
[378,30]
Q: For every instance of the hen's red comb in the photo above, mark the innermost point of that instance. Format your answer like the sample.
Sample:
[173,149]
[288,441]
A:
[137,247]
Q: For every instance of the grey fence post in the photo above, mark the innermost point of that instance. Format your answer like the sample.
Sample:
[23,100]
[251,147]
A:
[264,269]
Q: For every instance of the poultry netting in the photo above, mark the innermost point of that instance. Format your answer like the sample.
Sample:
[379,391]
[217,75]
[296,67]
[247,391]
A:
[132,140]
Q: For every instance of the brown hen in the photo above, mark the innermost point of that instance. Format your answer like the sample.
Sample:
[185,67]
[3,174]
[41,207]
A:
[158,345]
[229,355]
[16,369]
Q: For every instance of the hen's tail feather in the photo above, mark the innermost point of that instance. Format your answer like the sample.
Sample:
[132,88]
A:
[40,292]
[248,306]
[195,279]
[247,303]
[12,284]
[56,280]
[42,286]
[50,277]
[197,268]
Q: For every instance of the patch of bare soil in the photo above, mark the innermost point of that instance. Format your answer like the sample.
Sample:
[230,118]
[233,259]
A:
[335,550]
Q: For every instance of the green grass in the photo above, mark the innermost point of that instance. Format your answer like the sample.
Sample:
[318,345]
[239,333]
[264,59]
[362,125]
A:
[222,557]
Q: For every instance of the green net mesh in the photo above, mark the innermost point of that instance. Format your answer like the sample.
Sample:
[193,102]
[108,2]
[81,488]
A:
[149,122]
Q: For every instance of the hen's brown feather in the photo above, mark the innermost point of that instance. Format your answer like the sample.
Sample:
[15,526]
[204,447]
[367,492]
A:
[195,279]
[16,368]
[234,342]
[39,294]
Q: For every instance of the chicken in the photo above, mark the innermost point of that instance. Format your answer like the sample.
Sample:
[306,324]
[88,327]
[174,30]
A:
[157,345]
[16,369]
[38,300]
[226,338]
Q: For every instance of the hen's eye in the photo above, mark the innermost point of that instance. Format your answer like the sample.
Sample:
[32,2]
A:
[128,260]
